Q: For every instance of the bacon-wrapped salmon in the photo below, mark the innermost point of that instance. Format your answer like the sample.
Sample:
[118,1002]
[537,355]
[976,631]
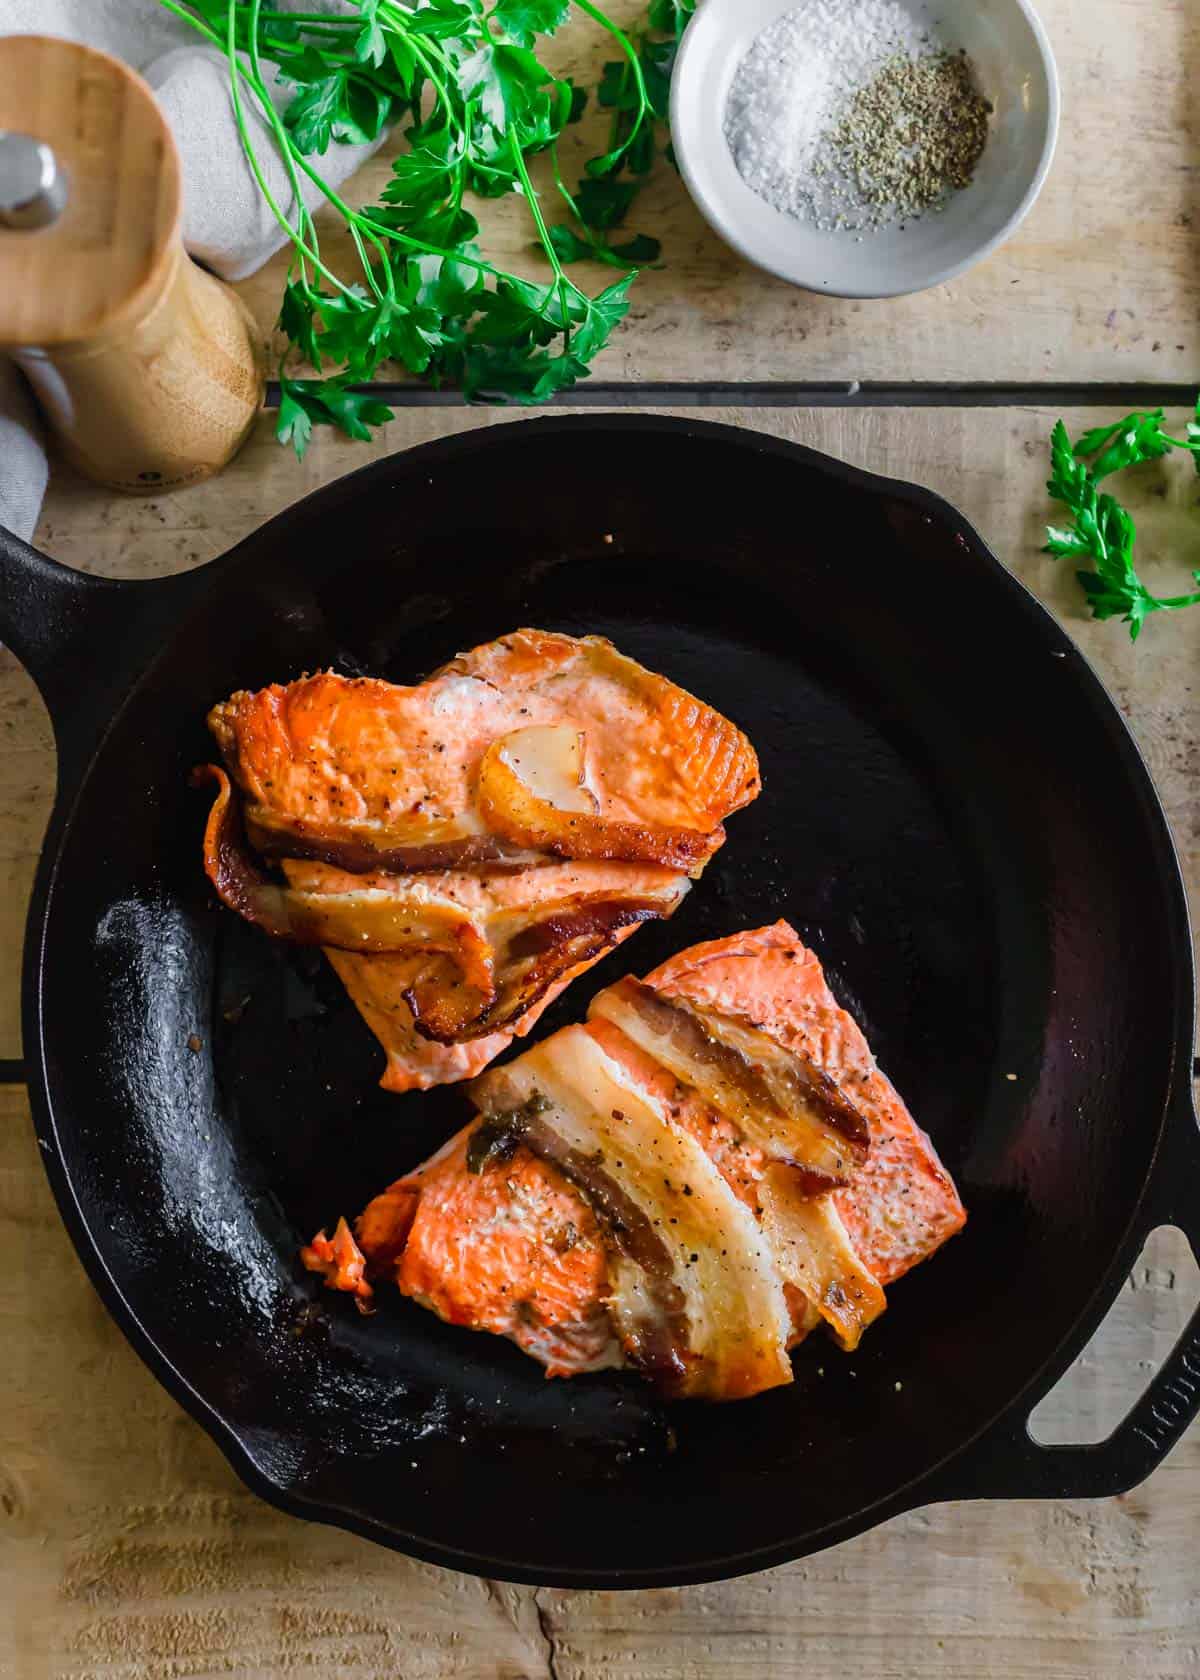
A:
[688,1184]
[463,849]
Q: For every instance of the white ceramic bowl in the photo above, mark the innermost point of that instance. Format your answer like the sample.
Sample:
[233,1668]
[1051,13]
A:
[1016,71]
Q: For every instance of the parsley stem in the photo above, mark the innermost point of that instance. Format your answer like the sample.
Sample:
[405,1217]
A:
[294,49]
[353,218]
[614,127]
[368,268]
[323,21]
[645,106]
[285,151]
[237,74]
[568,197]
[423,58]
[361,219]
[535,209]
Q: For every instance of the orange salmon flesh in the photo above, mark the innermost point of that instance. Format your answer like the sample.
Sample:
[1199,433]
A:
[535,777]
[517,1248]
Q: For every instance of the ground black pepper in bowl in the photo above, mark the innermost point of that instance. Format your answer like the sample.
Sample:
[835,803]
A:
[912,136]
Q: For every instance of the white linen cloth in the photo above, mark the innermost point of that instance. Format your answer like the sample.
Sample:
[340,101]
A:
[226,222]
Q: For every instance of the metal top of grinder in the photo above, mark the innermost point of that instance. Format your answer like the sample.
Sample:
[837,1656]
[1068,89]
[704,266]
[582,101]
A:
[33,190]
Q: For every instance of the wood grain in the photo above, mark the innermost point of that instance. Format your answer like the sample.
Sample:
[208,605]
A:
[1101,283]
[129,1551]
[150,370]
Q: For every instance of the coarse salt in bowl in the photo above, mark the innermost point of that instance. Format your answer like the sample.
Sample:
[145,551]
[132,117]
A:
[782,104]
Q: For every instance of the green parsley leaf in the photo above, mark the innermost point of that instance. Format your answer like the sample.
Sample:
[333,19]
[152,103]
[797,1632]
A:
[1137,438]
[507,374]
[294,424]
[406,333]
[658,65]
[305,402]
[618,89]
[517,312]
[505,80]
[449,286]
[346,106]
[571,247]
[601,316]
[673,16]
[313,112]
[444,20]
[420,177]
[1064,543]
[364,110]
[521,20]
[640,249]
[602,204]
[298,319]
[403,61]
[371,45]
[1103,530]
[568,246]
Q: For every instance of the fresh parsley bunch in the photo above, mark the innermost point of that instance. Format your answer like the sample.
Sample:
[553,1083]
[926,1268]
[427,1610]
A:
[463,78]
[1102,531]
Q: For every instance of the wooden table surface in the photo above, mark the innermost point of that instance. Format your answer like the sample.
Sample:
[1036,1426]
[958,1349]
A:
[128,1549]
[1102,282]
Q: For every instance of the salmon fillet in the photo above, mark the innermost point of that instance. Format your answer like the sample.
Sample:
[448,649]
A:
[501,1232]
[462,849]
[380,985]
[902,1205]
[358,756]
[530,1264]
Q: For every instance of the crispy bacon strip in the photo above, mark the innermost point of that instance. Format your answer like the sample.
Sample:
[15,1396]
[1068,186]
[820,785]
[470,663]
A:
[814,1253]
[555,1218]
[490,970]
[779,1100]
[696,1299]
[363,921]
[532,957]
[399,849]
[495,970]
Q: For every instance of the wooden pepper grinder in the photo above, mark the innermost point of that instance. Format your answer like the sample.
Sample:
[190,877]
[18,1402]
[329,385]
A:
[148,368]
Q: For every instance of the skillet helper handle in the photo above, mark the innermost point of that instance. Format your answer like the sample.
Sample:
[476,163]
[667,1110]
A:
[149,369]
[1010,1464]
[82,639]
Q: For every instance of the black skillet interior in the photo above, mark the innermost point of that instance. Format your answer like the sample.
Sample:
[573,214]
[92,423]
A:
[952,816]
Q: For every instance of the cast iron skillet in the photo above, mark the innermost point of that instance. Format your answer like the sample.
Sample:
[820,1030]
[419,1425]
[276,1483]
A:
[953,815]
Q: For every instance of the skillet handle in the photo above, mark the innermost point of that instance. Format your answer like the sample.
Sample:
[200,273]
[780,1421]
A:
[1007,1463]
[82,639]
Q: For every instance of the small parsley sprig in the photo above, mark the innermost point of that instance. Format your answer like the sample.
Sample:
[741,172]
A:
[610,184]
[477,105]
[1101,530]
